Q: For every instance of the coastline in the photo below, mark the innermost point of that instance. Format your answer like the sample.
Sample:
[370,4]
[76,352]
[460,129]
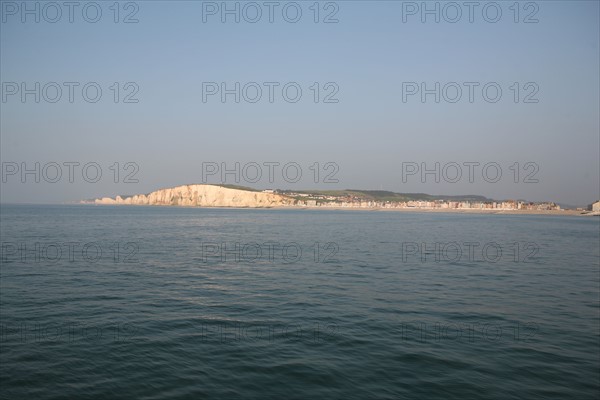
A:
[455,211]
[215,196]
[380,209]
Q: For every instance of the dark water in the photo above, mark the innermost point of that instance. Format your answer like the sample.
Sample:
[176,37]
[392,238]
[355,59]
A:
[139,302]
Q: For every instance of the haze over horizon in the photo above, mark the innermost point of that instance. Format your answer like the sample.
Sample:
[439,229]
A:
[368,61]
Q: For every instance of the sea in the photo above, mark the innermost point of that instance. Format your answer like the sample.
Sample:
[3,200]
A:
[201,303]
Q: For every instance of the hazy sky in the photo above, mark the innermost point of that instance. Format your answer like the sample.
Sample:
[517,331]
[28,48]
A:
[372,61]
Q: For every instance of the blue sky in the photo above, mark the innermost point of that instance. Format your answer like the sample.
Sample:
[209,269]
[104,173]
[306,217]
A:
[369,133]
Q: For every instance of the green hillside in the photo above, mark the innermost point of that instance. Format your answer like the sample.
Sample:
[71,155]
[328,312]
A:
[384,195]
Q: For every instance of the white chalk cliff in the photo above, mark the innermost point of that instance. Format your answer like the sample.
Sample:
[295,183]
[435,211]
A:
[202,196]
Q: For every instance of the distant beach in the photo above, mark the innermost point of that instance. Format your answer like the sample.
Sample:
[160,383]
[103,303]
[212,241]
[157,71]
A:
[453,211]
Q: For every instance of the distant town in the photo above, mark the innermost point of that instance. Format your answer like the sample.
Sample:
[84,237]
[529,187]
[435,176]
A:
[360,200]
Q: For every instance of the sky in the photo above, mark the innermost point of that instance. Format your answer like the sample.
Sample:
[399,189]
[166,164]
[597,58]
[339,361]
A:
[499,99]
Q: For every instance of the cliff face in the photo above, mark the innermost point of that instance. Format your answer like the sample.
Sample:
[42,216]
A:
[202,196]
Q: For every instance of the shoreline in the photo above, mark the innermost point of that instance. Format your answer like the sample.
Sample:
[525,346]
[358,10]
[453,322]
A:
[455,211]
[380,209]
